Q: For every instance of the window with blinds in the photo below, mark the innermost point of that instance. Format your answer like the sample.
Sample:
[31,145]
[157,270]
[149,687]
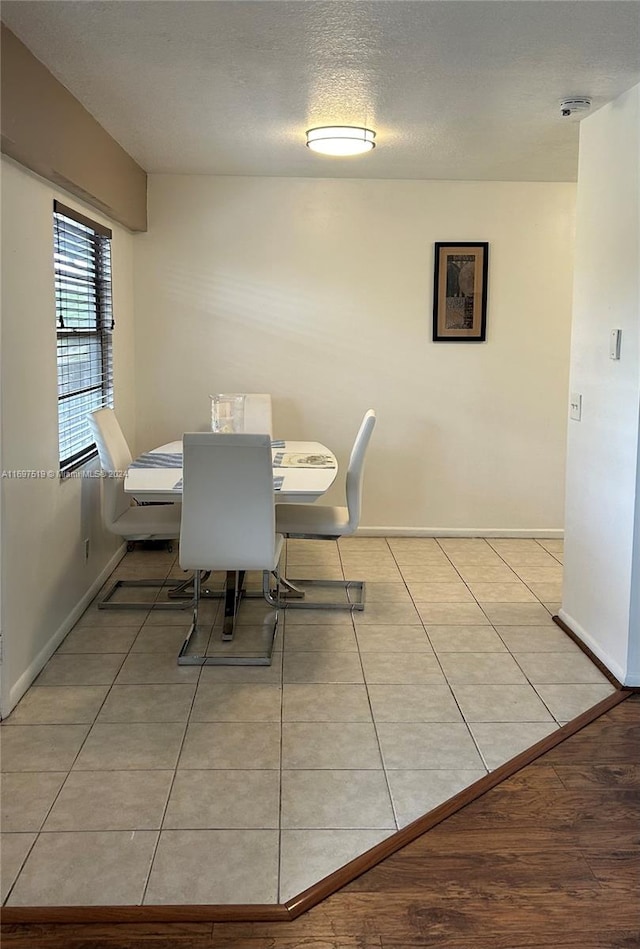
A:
[84,318]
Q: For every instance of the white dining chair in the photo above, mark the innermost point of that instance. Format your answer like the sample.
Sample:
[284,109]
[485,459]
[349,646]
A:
[323,522]
[228,523]
[121,515]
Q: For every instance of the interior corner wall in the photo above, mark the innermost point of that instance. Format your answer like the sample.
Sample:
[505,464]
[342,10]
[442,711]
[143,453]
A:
[320,291]
[602,542]
[45,520]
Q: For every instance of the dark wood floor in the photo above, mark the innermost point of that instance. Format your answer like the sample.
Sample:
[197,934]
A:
[550,858]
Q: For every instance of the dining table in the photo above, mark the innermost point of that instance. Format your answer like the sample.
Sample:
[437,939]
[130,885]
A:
[302,472]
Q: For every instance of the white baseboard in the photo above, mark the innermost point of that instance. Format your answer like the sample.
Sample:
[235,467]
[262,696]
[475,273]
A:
[597,650]
[37,665]
[545,533]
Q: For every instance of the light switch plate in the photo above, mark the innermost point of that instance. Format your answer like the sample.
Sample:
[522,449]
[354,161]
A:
[615,338]
[575,404]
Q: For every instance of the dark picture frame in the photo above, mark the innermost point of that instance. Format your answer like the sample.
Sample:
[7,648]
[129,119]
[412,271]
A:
[460,292]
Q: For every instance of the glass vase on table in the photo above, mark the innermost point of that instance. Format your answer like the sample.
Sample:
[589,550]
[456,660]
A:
[227,413]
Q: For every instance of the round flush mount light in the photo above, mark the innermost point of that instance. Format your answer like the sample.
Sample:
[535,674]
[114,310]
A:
[341,140]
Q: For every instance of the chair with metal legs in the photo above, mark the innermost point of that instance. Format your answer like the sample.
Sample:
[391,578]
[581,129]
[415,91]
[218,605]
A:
[322,522]
[228,523]
[121,516]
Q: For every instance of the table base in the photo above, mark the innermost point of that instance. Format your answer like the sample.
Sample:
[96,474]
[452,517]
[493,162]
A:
[233,593]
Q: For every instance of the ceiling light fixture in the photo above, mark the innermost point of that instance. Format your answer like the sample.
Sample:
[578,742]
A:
[341,140]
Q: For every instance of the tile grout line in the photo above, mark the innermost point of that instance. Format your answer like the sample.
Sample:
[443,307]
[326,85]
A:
[446,679]
[464,581]
[385,771]
[171,785]
[467,723]
[509,651]
[555,719]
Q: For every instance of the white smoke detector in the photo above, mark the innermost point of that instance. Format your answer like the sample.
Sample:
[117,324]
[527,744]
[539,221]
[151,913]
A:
[575,104]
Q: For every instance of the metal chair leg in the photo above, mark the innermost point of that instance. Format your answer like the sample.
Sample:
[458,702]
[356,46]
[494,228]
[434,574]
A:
[107,603]
[184,659]
[354,590]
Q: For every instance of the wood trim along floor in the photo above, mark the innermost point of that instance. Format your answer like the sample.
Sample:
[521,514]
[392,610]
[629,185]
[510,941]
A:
[332,883]
[592,656]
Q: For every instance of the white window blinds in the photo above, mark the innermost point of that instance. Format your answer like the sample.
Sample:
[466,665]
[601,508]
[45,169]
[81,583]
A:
[84,319]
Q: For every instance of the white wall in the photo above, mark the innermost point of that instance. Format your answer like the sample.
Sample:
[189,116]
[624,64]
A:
[600,601]
[45,520]
[320,292]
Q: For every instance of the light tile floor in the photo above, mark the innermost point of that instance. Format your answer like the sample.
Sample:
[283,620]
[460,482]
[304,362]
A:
[128,779]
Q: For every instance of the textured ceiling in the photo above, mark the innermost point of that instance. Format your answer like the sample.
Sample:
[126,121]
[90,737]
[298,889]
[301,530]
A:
[458,90]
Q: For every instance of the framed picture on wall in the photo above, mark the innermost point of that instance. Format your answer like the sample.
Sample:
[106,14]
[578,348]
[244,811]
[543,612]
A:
[460,292]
